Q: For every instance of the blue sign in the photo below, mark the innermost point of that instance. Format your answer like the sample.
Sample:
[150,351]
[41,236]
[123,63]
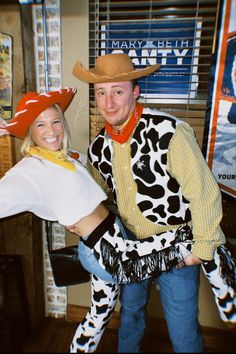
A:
[174,44]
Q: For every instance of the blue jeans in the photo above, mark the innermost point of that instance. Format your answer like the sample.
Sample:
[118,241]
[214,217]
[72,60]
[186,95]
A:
[89,261]
[179,290]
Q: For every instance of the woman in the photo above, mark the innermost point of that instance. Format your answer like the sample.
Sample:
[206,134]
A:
[51,184]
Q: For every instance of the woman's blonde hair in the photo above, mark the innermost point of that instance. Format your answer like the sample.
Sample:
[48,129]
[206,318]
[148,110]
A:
[66,142]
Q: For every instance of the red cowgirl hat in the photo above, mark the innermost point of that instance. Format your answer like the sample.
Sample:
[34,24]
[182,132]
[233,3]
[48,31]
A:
[32,104]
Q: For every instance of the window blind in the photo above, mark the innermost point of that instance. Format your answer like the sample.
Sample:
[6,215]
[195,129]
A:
[178,34]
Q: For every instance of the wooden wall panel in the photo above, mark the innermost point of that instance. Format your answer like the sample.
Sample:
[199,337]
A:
[22,234]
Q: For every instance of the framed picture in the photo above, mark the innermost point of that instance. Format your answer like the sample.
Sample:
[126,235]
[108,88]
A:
[5,76]
[172,43]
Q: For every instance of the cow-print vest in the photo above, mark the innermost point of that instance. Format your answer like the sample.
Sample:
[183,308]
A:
[159,196]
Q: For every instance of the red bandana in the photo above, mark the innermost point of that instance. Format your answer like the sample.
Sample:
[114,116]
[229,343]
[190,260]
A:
[121,136]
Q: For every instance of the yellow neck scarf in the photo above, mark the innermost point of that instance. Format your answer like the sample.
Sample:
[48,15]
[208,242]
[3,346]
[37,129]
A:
[58,157]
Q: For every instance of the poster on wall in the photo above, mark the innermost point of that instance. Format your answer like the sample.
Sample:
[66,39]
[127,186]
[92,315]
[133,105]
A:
[219,144]
[5,75]
[172,43]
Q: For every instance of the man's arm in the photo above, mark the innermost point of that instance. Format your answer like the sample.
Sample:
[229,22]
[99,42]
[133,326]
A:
[188,166]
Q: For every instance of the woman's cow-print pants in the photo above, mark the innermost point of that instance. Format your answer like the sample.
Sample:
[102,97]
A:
[88,334]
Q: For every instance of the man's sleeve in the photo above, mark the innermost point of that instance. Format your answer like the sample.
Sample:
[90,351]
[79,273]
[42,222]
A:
[98,178]
[187,165]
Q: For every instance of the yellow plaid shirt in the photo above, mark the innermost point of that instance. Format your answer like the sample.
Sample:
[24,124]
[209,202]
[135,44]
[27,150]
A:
[187,165]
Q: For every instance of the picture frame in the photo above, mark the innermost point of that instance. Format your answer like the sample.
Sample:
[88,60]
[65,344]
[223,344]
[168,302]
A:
[6,43]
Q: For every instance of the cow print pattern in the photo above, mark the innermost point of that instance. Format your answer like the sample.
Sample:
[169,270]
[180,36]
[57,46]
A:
[222,282]
[112,252]
[128,249]
[90,330]
[159,196]
[224,291]
[220,272]
[105,295]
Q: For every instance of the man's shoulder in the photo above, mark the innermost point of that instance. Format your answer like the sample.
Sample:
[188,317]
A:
[156,114]
[98,140]
[100,134]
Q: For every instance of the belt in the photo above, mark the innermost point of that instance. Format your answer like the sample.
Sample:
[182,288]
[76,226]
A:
[100,230]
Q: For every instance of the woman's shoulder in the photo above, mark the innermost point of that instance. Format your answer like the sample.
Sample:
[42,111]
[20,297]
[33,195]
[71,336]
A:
[27,165]
[24,170]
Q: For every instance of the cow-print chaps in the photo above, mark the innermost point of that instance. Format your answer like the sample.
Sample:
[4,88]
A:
[220,272]
[88,334]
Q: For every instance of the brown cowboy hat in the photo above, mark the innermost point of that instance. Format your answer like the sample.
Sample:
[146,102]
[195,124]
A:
[32,104]
[112,68]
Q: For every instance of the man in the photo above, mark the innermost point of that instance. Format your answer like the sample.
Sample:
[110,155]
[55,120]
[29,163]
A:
[151,163]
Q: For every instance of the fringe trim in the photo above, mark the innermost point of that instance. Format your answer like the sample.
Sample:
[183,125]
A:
[227,265]
[138,269]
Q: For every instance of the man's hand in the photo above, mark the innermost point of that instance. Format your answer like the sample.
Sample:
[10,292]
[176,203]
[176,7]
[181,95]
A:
[192,260]
[188,261]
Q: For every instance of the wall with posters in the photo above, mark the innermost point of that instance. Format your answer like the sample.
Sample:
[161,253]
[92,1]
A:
[220,130]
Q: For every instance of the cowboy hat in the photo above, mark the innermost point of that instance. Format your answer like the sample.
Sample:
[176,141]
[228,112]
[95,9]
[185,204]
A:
[32,104]
[111,68]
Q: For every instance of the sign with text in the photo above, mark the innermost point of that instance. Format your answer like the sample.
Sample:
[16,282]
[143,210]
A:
[174,44]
